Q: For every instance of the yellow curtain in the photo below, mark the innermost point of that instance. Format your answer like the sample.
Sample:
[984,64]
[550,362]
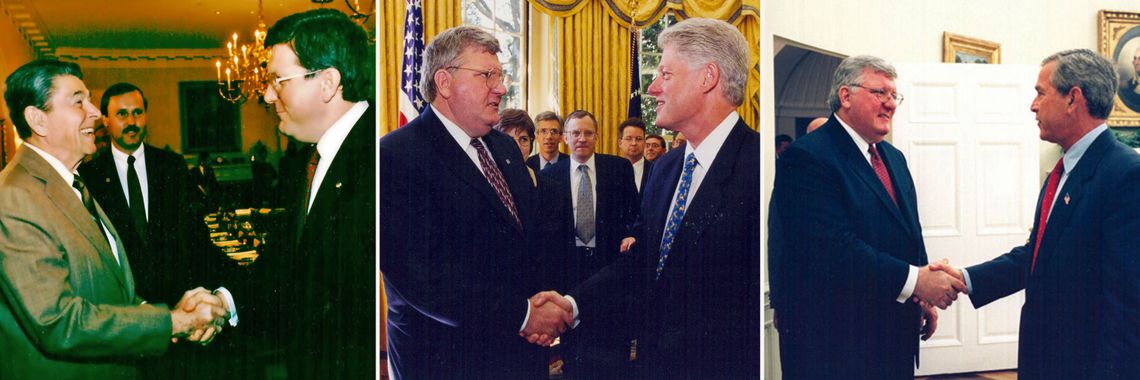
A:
[437,17]
[593,63]
[594,39]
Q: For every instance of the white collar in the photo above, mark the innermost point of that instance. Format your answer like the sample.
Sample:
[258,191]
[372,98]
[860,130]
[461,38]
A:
[862,144]
[331,141]
[706,153]
[67,174]
[121,156]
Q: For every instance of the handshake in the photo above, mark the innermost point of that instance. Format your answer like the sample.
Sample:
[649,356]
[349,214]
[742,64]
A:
[938,285]
[551,314]
[198,317]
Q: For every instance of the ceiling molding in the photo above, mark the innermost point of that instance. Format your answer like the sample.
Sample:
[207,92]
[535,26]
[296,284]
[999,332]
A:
[28,22]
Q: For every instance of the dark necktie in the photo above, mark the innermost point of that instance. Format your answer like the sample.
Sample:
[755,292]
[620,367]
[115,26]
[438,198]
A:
[1046,207]
[135,198]
[678,212]
[548,163]
[495,177]
[89,204]
[881,172]
[584,214]
[312,171]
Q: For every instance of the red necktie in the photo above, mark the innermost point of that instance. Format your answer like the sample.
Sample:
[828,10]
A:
[313,161]
[881,172]
[495,177]
[1046,206]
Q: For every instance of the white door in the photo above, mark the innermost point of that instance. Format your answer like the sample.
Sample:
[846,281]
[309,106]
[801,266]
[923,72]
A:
[971,144]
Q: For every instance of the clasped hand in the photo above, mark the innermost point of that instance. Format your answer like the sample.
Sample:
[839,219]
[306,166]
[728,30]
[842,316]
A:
[198,317]
[939,284]
[551,314]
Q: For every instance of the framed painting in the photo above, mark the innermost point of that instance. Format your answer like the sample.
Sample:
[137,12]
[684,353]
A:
[1119,41]
[962,49]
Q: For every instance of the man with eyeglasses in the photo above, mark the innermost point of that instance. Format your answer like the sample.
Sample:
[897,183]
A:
[314,296]
[549,128]
[654,147]
[460,257]
[632,143]
[854,293]
[598,192]
[148,196]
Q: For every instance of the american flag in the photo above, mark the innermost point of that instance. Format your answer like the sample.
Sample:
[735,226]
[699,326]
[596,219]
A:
[411,103]
[634,74]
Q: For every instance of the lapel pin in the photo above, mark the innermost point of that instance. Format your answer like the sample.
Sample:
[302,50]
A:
[1066,198]
[338,184]
[508,161]
[107,180]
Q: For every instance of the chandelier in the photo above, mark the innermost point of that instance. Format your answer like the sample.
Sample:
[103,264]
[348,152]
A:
[244,66]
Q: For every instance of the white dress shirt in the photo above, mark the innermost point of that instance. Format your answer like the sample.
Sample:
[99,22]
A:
[120,159]
[330,143]
[705,154]
[638,169]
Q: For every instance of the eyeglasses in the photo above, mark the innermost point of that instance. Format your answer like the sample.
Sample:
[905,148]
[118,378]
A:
[633,139]
[881,94]
[279,82]
[550,132]
[493,77]
[577,134]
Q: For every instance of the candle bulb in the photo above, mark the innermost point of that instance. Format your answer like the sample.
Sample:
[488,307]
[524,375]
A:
[218,66]
[227,79]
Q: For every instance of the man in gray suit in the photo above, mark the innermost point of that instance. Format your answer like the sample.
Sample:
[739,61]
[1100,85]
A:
[68,307]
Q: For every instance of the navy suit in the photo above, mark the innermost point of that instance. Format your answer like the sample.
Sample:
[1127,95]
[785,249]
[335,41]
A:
[535,160]
[458,269]
[701,318]
[1082,299]
[840,277]
[596,349]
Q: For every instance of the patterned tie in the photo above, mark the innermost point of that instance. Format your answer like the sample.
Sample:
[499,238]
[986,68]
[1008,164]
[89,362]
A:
[678,212]
[495,177]
[89,204]
[312,171]
[135,199]
[1046,207]
[881,172]
[584,214]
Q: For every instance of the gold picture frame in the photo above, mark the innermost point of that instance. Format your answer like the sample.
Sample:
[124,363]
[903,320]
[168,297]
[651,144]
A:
[961,49]
[1119,41]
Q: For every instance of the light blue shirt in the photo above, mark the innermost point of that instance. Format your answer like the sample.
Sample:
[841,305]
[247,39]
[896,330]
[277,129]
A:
[1069,161]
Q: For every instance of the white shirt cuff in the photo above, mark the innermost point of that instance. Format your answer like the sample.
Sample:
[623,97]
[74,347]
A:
[573,304]
[527,318]
[969,285]
[230,305]
[908,288]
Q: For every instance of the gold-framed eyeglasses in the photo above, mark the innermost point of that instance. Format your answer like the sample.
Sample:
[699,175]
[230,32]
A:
[882,94]
[493,77]
[577,134]
[279,82]
[550,132]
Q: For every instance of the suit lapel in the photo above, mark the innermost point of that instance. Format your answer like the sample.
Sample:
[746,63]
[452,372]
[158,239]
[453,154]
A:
[455,159]
[900,176]
[706,203]
[1070,196]
[64,198]
[858,164]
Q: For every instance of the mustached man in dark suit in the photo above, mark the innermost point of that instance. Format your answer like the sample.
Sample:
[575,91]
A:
[549,128]
[694,282]
[1079,268]
[598,193]
[845,285]
[456,208]
[68,305]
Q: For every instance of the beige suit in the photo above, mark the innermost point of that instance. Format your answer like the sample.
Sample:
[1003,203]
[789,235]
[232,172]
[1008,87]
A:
[67,308]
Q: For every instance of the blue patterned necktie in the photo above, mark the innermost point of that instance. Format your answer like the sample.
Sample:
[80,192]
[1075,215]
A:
[678,212]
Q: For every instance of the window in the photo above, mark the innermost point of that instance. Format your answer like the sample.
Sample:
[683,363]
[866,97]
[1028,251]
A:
[505,19]
[650,58]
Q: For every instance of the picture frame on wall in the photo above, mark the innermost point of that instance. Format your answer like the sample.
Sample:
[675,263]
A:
[961,49]
[1119,41]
